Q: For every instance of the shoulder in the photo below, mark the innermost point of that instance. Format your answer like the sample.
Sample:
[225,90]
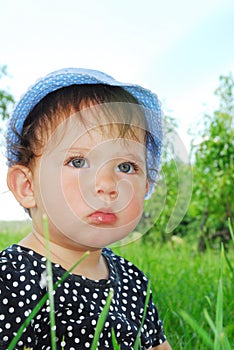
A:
[16,255]
[18,264]
[127,270]
[125,264]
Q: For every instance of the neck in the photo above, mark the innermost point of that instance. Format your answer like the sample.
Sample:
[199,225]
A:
[94,265]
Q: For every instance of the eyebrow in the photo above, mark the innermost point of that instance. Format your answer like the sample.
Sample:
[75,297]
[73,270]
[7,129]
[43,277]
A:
[76,149]
[133,156]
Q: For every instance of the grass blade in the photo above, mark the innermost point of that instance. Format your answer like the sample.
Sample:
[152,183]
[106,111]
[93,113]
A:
[138,338]
[219,316]
[50,285]
[114,340]
[220,337]
[101,320]
[210,321]
[196,327]
[226,344]
[230,229]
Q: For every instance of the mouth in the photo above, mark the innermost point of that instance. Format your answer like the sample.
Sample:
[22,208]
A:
[102,216]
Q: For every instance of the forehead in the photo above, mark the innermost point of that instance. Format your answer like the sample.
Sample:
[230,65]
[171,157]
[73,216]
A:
[107,120]
[103,115]
[73,133]
[95,147]
[112,115]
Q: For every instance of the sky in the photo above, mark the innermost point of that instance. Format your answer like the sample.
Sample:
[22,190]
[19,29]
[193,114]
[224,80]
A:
[177,49]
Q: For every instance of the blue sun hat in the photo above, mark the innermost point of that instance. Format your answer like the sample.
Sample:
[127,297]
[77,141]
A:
[70,76]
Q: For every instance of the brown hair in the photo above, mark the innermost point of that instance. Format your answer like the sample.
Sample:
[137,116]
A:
[62,103]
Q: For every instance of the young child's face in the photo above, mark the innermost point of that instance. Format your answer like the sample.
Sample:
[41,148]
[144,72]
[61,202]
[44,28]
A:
[90,185]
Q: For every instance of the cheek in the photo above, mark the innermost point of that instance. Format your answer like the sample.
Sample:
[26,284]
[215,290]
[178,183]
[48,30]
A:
[75,188]
[135,207]
[69,186]
[71,193]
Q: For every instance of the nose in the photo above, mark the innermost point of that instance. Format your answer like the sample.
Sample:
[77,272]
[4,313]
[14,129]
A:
[106,185]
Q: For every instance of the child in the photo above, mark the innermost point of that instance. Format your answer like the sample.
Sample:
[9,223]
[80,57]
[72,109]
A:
[83,149]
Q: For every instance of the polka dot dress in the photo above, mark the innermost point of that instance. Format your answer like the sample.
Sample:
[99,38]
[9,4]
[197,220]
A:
[78,304]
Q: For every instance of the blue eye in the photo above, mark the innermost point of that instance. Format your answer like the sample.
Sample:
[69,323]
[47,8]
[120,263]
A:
[78,163]
[127,167]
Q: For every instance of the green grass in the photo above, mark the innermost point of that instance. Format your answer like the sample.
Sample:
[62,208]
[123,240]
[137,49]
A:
[183,282]
[183,279]
[13,232]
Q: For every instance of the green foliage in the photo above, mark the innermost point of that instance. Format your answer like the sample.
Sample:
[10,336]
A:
[166,208]
[6,99]
[212,203]
[225,92]
[210,180]
[11,232]
[219,341]
[183,279]
[169,202]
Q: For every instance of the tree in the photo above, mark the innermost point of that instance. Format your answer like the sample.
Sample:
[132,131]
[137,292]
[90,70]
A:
[167,207]
[6,99]
[212,203]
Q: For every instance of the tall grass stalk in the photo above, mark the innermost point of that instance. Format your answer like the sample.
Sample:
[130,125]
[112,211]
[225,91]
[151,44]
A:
[197,328]
[231,268]
[101,320]
[50,284]
[230,229]
[114,340]
[219,306]
[137,345]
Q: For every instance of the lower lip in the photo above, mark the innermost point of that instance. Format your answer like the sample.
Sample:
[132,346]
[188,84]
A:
[102,218]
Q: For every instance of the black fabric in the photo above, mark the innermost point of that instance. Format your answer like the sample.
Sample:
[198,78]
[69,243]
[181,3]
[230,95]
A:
[78,304]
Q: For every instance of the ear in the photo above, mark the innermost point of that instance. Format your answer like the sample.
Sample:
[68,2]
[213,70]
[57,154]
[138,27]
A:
[20,183]
[147,186]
